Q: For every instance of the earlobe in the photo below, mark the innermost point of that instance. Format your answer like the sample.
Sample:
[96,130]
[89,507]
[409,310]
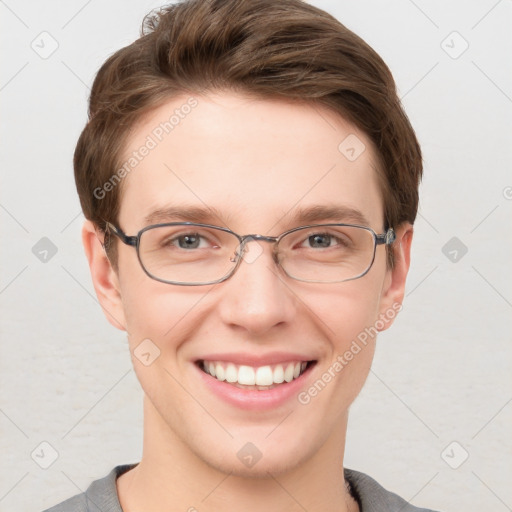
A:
[394,284]
[104,278]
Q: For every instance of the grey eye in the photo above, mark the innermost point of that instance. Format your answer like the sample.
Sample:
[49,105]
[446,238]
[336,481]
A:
[319,240]
[189,241]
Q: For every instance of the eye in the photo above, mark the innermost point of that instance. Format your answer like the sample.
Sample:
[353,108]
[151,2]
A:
[321,240]
[187,241]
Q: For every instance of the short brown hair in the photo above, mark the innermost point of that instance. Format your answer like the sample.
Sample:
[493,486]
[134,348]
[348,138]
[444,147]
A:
[284,49]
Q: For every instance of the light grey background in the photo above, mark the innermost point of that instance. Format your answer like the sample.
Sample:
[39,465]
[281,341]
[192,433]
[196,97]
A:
[441,374]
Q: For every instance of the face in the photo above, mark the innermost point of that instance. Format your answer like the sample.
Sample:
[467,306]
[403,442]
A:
[254,166]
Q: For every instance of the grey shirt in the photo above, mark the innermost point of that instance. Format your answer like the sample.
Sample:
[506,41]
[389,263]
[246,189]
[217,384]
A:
[101,496]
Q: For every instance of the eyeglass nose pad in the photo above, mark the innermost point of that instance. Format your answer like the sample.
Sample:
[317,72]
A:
[275,256]
[248,252]
[239,252]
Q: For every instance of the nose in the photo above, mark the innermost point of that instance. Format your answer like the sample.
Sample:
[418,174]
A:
[257,298]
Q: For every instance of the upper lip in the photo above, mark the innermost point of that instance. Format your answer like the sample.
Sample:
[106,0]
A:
[256,360]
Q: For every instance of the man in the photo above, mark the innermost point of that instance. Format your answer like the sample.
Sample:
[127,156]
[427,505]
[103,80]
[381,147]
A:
[250,182]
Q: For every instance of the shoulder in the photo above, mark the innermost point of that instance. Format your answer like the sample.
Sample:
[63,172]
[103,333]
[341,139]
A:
[101,495]
[373,497]
[77,503]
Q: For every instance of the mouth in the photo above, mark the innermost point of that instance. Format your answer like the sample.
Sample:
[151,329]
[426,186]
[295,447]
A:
[260,378]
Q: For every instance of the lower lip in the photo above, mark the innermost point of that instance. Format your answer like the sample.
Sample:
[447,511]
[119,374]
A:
[253,399]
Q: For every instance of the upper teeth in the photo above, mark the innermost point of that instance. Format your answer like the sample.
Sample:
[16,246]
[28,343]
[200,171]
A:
[249,376]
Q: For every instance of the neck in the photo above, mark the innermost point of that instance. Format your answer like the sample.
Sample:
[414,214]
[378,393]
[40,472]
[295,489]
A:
[171,477]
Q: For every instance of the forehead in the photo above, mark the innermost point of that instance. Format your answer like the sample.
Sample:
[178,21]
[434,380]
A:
[253,164]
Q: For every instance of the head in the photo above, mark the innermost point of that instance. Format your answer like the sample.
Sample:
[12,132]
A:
[245,110]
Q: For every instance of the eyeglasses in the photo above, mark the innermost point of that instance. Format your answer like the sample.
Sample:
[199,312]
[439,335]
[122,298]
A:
[190,254]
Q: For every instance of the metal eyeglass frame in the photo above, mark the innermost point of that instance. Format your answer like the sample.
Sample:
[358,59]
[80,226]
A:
[386,238]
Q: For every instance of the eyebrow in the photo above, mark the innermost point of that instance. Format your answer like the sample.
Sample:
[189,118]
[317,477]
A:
[198,214]
[210,215]
[335,213]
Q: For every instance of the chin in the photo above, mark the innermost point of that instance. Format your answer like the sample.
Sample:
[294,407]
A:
[256,455]
[270,464]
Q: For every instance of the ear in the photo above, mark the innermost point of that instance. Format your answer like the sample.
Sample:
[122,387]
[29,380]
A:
[394,283]
[104,278]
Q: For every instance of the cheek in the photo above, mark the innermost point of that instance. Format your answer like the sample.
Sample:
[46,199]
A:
[160,312]
[161,322]
[348,316]
[346,310]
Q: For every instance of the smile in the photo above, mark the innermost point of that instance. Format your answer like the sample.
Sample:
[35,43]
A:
[248,377]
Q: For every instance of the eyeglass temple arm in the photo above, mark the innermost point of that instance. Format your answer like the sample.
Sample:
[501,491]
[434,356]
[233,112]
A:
[128,240]
[387,238]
